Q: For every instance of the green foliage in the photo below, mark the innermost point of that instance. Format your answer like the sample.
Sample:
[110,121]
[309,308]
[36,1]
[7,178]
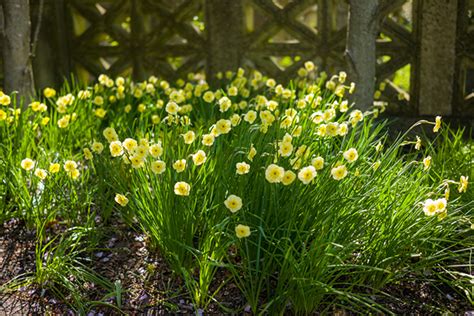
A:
[309,243]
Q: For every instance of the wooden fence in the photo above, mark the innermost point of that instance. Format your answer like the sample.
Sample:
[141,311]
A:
[424,49]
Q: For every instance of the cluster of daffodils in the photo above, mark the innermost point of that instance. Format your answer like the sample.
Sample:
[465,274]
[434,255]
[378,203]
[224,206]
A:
[280,134]
[172,105]
[142,153]
[435,207]
[248,104]
[63,104]
[10,114]
[234,204]
[277,174]
[164,103]
[69,166]
[7,113]
[439,206]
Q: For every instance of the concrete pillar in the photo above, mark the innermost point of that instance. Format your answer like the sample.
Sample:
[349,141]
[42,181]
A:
[360,49]
[437,55]
[224,25]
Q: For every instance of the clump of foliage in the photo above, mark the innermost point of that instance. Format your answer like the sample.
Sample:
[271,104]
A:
[299,197]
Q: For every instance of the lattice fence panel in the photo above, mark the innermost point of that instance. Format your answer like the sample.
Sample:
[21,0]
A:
[396,52]
[282,35]
[138,37]
[172,38]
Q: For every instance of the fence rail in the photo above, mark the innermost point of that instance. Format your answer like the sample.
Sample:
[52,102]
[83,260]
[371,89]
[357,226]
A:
[424,48]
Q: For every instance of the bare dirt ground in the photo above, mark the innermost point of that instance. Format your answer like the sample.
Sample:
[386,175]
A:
[150,287]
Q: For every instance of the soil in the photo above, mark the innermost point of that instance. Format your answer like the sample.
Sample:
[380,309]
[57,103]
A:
[150,287]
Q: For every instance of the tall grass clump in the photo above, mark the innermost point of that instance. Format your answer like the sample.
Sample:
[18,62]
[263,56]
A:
[289,192]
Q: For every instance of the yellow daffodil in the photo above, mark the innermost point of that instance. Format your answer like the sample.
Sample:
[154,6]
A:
[418,143]
[158,167]
[351,155]
[223,126]
[463,182]
[141,151]
[172,108]
[116,148]
[110,134]
[63,122]
[288,177]
[5,99]
[199,157]
[437,124]
[250,116]
[189,137]
[121,199]
[156,150]
[87,154]
[208,96]
[54,167]
[98,100]
[97,147]
[130,144]
[38,107]
[70,165]
[242,231]
[233,203]
[441,205]
[207,139]
[332,129]
[84,94]
[44,120]
[242,168]
[318,163]
[339,173]
[137,161]
[49,93]
[342,129]
[307,174]
[74,174]
[344,106]
[41,173]
[274,173]
[182,188]
[309,66]
[179,165]
[28,164]
[286,148]
[224,104]
[252,153]
[426,162]
[235,119]
[431,207]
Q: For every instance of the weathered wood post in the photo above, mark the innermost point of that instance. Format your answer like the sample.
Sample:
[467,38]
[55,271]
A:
[437,56]
[224,25]
[360,53]
[17,68]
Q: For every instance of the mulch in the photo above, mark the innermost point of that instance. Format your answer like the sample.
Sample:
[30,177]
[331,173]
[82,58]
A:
[151,288]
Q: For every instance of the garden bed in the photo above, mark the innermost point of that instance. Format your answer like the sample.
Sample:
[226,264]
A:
[158,291]
[252,198]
